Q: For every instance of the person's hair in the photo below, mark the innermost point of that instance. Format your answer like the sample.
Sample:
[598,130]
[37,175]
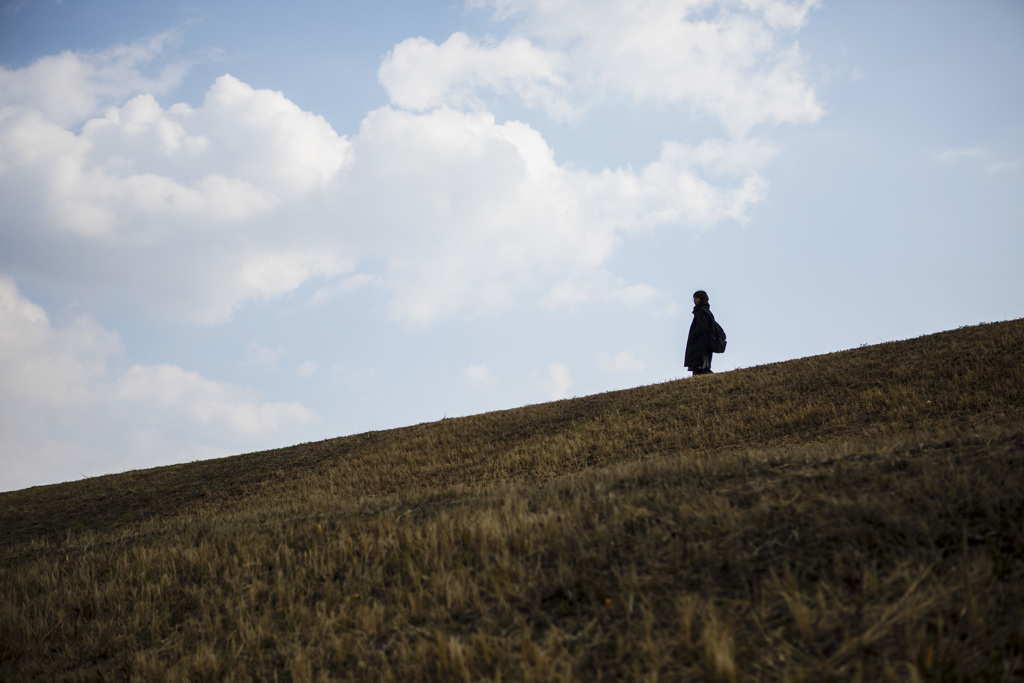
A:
[701,294]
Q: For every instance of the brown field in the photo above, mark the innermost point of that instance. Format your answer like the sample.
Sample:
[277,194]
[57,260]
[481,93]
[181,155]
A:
[855,516]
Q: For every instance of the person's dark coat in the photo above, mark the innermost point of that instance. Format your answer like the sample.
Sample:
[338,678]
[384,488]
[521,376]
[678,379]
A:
[697,357]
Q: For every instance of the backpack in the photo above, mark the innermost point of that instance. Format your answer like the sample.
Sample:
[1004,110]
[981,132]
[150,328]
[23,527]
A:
[717,337]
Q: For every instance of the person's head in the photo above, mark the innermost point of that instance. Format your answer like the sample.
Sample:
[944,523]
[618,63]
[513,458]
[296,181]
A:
[700,297]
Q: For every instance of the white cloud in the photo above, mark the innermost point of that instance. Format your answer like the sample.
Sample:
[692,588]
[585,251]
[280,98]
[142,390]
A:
[472,213]
[134,192]
[306,369]
[419,74]
[271,273]
[722,59]
[254,127]
[479,375]
[556,383]
[61,394]
[70,87]
[192,212]
[467,212]
[43,365]
[672,190]
[624,361]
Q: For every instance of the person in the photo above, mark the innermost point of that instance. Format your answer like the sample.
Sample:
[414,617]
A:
[697,357]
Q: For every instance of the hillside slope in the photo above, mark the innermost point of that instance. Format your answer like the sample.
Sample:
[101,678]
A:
[960,380]
[853,516]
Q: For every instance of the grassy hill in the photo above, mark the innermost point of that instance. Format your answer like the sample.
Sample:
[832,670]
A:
[852,516]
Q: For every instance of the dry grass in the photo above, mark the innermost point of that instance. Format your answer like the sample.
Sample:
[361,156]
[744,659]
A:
[856,516]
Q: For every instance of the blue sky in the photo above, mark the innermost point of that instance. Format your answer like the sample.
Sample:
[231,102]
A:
[248,225]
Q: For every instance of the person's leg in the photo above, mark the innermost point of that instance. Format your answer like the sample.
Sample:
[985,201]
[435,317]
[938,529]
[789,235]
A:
[705,366]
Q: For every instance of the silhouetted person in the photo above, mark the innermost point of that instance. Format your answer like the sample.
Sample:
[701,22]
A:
[698,343]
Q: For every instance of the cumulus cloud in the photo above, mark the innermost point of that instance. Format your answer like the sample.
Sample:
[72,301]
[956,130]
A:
[71,86]
[194,211]
[467,211]
[62,393]
[419,74]
[470,213]
[44,365]
[131,197]
[729,60]
[673,190]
